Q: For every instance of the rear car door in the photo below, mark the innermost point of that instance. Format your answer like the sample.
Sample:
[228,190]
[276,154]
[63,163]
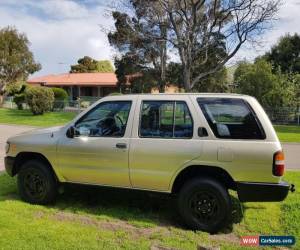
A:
[163,140]
[240,145]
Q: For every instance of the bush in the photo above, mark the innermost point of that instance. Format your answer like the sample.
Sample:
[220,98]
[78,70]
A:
[39,99]
[17,91]
[60,96]
[19,99]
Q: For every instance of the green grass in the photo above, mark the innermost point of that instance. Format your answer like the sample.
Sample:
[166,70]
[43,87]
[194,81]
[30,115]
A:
[288,133]
[25,117]
[102,218]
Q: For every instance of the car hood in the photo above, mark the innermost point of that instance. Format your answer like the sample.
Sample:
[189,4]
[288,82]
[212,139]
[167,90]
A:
[35,134]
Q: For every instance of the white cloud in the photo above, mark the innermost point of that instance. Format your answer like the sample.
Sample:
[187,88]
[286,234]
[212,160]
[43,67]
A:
[61,31]
[59,37]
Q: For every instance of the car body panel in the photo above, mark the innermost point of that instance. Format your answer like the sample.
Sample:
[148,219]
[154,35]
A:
[152,163]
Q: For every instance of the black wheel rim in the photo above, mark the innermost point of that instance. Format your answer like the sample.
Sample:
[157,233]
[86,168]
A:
[205,207]
[35,184]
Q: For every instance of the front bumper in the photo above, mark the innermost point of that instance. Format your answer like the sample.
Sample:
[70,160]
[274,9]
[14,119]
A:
[250,191]
[9,164]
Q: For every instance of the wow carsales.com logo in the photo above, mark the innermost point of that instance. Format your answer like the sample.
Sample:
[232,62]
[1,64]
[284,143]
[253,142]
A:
[268,240]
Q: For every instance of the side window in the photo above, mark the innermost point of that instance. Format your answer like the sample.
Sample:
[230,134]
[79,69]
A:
[165,119]
[231,118]
[108,119]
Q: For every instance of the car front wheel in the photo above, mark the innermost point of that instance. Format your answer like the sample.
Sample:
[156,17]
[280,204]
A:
[204,204]
[36,183]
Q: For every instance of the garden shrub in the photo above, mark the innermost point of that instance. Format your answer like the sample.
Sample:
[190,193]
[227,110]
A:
[19,99]
[60,98]
[39,99]
[17,91]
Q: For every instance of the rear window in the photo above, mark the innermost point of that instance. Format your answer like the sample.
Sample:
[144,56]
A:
[231,118]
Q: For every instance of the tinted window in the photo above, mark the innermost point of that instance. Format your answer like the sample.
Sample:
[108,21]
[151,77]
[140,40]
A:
[231,118]
[106,119]
[165,119]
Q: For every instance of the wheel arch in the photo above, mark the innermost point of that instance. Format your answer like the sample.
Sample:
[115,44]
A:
[193,171]
[23,157]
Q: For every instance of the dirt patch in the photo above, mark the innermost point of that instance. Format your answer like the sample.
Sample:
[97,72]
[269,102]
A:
[39,214]
[231,237]
[115,225]
[158,247]
[133,231]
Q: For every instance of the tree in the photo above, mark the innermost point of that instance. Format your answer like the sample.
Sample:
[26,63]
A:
[270,89]
[286,54]
[216,82]
[16,60]
[142,35]
[104,66]
[129,71]
[90,65]
[196,25]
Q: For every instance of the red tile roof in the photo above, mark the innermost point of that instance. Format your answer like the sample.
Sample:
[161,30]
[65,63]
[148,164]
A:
[86,79]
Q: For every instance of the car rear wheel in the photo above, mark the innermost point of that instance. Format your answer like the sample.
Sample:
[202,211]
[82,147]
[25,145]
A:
[36,183]
[204,204]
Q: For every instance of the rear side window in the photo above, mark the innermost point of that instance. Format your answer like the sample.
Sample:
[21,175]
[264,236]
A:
[231,118]
[165,119]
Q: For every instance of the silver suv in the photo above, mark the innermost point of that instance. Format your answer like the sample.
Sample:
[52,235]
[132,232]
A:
[194,146]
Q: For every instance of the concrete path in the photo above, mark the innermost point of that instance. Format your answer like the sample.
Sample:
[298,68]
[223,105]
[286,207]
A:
[291,150]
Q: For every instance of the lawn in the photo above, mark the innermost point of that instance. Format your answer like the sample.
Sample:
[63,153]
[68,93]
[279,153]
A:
[25,117]
[102,218]
[286,133]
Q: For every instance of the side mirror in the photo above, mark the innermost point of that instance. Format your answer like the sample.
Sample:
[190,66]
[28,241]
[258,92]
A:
[202,132]
[71,132]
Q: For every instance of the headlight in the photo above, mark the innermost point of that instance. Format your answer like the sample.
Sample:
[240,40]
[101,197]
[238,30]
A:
[7,145]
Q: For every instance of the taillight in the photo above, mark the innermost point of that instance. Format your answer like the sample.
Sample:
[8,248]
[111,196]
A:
[278,163]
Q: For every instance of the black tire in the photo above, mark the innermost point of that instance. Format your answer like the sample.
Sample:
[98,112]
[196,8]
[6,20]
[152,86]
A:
[36,183]
[204,204]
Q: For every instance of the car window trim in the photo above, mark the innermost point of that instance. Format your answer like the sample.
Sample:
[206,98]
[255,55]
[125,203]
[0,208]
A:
[101,103]
[247,104]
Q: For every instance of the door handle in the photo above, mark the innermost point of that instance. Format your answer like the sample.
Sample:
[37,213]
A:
[121,145]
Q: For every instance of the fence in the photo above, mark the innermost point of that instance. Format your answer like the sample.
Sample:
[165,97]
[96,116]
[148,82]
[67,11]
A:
[284,115]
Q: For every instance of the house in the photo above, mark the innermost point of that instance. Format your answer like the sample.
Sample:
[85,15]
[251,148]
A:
[80,84]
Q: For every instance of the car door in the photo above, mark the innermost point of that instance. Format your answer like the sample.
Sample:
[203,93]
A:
[98,153]
[241,146]
[163,140]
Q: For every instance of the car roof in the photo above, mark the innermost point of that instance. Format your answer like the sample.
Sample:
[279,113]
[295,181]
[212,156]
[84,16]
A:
[169,96]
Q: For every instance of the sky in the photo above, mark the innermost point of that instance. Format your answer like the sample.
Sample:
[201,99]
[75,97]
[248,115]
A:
[62,31]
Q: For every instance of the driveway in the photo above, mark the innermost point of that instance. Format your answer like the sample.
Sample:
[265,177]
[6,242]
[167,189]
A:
[291,150]
[7,131]
[292,155]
